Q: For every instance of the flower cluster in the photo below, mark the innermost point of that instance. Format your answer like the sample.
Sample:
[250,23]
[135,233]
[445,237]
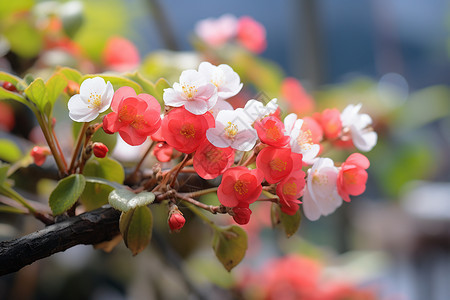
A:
[246,31]
[251,147]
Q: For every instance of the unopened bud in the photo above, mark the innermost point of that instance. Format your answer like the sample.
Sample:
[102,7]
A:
[241,215]
[39,154]
[100,150]
[9,86]
[176,220]
[72,88]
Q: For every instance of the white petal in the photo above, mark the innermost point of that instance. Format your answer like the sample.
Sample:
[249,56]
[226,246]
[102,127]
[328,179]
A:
[220,105]
[107,97]
[192,77]
[310,208]
[83,117]
[173,98]
[94,85]
[311,153]
[245,140]
[197,107]
[216,137]
[289,121]
[364,140]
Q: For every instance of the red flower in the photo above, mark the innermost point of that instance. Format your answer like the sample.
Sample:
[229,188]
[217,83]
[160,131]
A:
[314,127]
[135,117]
[289,190]
[176,221]
[99,150]
[185,131]
[277,163]
[39,154]
[240,186]
[242,214]
[7,119]
[251,34]
[330,121]
[120,54]
[211,161]
[352,176]
[271,132]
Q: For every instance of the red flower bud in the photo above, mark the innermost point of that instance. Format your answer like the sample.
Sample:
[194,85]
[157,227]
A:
[72,88]
[39,154]
[100,150]
[242,215]
[9,86]
[176,221]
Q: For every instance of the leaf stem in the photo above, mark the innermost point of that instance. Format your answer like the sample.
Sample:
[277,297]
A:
[78,146]
[211,208]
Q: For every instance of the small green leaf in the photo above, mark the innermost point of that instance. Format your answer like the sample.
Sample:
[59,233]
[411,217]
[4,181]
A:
[36,92]
[160,86]
[117,81]
[3,172]
[147,86]
[55,86]
[106,168]
[125,200]
[66,193]
[9,151]
[136,228]
[70,74]
[290,224]
[230,245]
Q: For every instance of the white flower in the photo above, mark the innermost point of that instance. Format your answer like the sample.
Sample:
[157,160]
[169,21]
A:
[321,196]
[194,92]
[216,32]
[359,126]
[301,140]
[223,77]
[94,98]
[255,110]
[232,130]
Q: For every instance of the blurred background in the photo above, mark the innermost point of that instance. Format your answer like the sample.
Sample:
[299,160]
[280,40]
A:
[392,242]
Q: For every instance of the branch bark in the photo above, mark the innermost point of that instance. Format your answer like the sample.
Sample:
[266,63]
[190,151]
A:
[89,228]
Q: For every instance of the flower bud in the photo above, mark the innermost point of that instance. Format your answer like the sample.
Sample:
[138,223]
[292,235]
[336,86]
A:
[72,88]
[241,215]
[100,150]
[39,154]
[176,220]
[9,86]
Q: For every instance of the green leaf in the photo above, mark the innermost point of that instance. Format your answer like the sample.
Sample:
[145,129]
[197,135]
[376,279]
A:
[136,228]
[160,86]
[3,172]
[117,81]
[230,245]
[6,95]
[24,39]
[66,193]
[55,86]
[96,192]
[290,224]
[9,151]
[125,200]
[147,86]
[16,81]
[36,92]
[70,74]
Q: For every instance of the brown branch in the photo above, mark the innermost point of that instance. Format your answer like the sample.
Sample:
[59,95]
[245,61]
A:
[89,228]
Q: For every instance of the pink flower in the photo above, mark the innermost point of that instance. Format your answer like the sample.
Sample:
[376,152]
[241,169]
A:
[352,176]
[277,163]
[271,132]
[330,120]
[251,34]
[39,154]
[120,54]
[163,152]
[289,190]
[216,32]
[299,101]
[211,161]
[135,117]
[240,186]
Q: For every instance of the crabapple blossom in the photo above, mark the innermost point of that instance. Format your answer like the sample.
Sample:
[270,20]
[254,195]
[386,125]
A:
[352,176]
[39,154]
[216,32]
[251,34]
[120,54]
[300,102]
[194,91]
[321,196]
[359,127]
[223,77]
[277,163]
[330,121]
[240,186]
[289,190]
[220,105]
[255,110]
[210,161]
[233,130]
[94,98]
[185,131]
[163,152]
[271,132]
[135,117]
[301,138]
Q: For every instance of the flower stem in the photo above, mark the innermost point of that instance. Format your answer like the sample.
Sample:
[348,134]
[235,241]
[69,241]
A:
[203,217]
[59,149]
[179,167]
[200,193]
[77,147]
[211,208]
